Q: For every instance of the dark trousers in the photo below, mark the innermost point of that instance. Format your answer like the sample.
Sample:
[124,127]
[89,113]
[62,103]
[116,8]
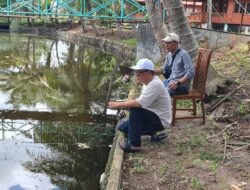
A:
[140,122]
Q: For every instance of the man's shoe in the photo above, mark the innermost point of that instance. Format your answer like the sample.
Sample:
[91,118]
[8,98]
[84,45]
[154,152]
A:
[158,137]
[128,147]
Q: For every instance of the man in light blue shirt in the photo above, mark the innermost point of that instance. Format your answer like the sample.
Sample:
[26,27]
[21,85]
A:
[178,68]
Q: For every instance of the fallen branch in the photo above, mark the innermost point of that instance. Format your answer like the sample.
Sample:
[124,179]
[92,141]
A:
[237,144]
[228,126]
[229,146]
[244,138]
[214,106]
[244,146]
[225,149]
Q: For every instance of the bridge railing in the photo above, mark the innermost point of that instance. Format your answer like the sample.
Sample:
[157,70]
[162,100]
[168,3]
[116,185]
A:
[88,9]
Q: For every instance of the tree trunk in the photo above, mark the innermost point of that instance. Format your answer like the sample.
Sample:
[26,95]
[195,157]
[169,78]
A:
[83,25]
[97,32]
[179,24]
[159,28]
[147,45]
[93,22]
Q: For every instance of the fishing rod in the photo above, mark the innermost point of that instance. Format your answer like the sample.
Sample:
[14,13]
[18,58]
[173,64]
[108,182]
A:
[127,72]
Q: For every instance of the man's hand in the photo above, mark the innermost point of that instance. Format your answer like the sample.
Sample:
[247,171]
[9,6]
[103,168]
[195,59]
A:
[114,105]
[173,85]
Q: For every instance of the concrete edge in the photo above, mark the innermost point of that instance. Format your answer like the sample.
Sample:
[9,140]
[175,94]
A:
[114,178]
[115,172]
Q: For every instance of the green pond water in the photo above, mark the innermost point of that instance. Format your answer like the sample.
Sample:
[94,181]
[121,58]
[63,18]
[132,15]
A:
[55,132]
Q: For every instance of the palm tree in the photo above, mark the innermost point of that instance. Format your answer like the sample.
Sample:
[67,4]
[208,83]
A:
[177,23]
[159,28]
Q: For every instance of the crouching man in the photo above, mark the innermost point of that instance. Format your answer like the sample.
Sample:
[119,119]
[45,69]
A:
[149,113]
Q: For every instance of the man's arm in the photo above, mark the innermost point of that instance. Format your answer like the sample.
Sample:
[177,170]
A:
[158,71]
[126,104]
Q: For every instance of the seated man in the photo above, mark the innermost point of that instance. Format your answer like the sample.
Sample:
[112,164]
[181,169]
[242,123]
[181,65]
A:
[149,113]
[178,68]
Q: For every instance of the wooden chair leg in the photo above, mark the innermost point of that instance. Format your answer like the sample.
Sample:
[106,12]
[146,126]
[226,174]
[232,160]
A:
[203,111]
[173,111]
[194,106]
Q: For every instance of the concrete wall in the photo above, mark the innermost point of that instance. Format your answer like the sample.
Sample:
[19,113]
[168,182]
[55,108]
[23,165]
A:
[215,39]
[113,47]
[147,46]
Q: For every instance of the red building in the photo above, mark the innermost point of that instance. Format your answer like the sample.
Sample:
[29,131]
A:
[233,15]
[227,15]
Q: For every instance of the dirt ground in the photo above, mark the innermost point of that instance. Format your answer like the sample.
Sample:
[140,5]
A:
[214,156]
[193,157]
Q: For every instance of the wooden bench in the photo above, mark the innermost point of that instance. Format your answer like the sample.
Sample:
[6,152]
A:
[197,93]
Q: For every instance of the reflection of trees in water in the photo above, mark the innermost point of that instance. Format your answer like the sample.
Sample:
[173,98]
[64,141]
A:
[79,167]
[71,132]
[38,71]
[70,80]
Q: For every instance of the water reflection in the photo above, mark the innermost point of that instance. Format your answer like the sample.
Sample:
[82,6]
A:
[52,96]
[41,74]
[45,155]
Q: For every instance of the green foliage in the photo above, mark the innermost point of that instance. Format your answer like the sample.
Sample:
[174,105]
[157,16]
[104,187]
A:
[197,162]
[130,42]
[233,62]
[184,104]
[3,3]
[243,109]
[210,155]
[200,151]
[196,184]
[179,165]
[122,88]
[213,167]
[139,163]
[163,171]
[181,147]
[196,140]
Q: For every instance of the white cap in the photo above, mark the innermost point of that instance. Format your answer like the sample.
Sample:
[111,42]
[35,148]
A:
[171,37]
[144,64]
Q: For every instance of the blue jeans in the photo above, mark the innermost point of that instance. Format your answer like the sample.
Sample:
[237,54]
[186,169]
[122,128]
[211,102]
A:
[178,91]
[140,122]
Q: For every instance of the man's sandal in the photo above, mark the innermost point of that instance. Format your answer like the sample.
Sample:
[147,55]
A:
[159,137]
[128,147]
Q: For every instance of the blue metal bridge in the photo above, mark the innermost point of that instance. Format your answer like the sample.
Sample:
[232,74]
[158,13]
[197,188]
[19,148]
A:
[123,10]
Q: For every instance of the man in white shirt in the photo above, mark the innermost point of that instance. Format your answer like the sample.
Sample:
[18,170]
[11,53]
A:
[149,113]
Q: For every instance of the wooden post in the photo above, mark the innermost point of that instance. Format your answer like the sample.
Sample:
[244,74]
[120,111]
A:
[209,11]
[243,9]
